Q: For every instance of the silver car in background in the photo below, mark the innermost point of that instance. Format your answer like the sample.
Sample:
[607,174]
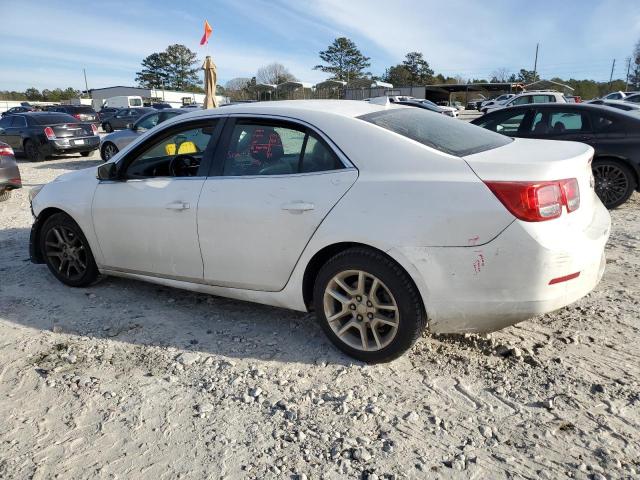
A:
[116,141]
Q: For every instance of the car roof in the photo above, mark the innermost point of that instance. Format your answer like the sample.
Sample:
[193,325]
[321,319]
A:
[345,108]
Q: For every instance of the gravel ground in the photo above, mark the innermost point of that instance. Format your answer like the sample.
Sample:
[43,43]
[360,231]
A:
[131,380]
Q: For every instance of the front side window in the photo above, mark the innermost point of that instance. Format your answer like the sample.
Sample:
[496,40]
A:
[6,122]
[604,124]
[147,122]
[277,149]
[178,154]
[506,125]
[437,131]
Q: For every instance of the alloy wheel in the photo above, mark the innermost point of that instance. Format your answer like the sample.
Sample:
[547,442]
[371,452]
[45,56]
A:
[361,310]
[611,182]
[66,252]
[109,151]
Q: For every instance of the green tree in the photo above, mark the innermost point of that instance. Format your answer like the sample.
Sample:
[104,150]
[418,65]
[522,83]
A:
[343,60]
[33,94]
[527,76]
[397,75]
[634,73]
[153,73]
[418,67]
[176,68]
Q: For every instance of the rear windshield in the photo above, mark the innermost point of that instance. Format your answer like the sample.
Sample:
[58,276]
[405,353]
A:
[448,135]
[52,119]
[82,109]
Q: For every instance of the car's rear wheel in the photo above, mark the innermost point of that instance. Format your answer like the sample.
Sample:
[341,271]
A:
[614,182]
[85,154]
[108,150]
[33,152]
[107,127]
[66,251]
[368,306]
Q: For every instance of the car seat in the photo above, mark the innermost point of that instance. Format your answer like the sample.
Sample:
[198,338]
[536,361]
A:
[559,127]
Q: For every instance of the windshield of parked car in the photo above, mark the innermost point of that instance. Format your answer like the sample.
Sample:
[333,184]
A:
[52,119]
[443,133]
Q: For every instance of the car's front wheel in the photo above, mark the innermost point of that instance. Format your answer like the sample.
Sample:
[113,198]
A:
[108,151]
[368,306]
[614,182]
[66,251]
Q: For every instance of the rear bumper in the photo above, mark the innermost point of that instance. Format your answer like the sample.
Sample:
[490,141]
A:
[72,146]
[488,287]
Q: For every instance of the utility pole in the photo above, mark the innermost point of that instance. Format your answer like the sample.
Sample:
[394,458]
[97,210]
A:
[86,85]
[611,76]
[535,63]
[626,85]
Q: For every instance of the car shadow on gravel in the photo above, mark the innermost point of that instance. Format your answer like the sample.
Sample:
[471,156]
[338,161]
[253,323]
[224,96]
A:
[73,164]
[141,313]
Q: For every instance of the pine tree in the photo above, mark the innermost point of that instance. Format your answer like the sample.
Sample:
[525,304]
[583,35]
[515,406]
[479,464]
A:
[343,60]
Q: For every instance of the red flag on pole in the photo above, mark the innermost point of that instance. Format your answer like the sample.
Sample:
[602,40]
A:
[207,33]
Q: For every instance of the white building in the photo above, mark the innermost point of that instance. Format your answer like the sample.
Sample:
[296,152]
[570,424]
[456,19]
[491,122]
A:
[153,95]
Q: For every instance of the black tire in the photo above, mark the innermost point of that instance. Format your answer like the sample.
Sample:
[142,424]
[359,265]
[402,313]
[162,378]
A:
[108,150]
[614,182]
[411,320]
[85,154]
[107,127]
[33,152]
[70,234]
[4,196]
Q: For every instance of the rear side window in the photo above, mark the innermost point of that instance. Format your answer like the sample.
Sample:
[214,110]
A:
[135,102]
[442,133]
[53,118]
[504,123]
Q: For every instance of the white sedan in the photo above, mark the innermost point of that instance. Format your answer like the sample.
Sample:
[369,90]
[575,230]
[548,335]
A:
[381,218]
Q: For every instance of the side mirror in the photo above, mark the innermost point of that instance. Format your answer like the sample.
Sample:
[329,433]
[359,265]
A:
[107,171]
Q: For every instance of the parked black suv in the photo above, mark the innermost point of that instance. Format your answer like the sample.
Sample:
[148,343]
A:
[124,117]
[614,134]
[41,134]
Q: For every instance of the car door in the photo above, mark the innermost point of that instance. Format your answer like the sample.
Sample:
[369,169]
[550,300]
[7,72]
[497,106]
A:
[14,132]
[145,221]
[121,118]
[5,129]
[272,184]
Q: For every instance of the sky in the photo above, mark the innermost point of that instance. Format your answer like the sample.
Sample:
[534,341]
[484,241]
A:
[46,44]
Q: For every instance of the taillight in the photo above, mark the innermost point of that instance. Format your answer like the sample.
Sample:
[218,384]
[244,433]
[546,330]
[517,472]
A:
[94,129]
[571,193]
[48,131]
[6,151]
[77,115]
[537,201]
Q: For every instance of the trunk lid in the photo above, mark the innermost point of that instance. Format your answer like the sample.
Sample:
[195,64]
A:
[525,160]
[72,130]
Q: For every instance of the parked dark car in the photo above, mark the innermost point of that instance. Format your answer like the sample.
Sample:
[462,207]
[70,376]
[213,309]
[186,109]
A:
[124,117]
[621,104]
[106,112]
[9,172]
[38,135]
[614,134]
[15,110]
[84,113]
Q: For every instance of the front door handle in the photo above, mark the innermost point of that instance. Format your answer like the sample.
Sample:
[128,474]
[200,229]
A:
[298,207]
[178,206]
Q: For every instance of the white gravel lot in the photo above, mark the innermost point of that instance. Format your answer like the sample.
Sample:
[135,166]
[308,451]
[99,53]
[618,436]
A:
[131,380]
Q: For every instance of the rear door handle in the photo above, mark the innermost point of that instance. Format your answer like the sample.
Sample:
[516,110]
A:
[177,206]
[298,207]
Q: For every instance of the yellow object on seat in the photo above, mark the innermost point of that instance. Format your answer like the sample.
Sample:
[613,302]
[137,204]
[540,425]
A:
[184,149]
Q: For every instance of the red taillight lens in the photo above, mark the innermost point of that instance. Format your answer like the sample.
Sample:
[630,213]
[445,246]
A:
[571,192]
[94,129]
[48,131]
[76,115]
[6,151]
[537,201]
